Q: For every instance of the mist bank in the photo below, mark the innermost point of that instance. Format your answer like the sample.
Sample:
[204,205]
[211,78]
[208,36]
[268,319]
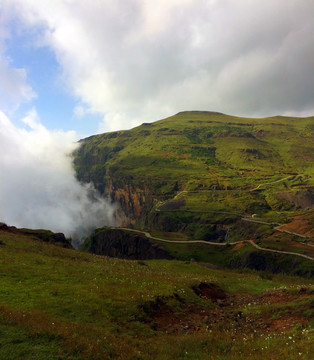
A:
[38,188]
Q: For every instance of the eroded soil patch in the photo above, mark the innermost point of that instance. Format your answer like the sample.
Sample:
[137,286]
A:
[227,311]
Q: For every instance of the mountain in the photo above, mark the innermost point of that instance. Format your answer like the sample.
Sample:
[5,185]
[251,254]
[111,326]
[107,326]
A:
[217,160]
[214,191]
[210,176]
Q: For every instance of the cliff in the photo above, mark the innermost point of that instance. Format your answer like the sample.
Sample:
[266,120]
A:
[200,170]
[135,200]
[123,244]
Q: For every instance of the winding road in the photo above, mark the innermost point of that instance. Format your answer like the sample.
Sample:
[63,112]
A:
[277,227]
[272,182]
[148,235]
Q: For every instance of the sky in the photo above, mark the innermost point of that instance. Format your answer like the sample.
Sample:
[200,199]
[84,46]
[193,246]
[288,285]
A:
[102,65]
[74,68]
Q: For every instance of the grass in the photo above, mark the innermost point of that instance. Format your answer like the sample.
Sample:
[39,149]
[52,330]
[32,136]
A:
[58,303]
[216,159]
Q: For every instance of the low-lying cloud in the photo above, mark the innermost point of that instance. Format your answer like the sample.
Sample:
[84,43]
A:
[38,188]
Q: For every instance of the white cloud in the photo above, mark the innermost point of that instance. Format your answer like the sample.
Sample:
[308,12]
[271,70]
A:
[13,85]
[79,111]
[38,188]
[142,60]
[14,89]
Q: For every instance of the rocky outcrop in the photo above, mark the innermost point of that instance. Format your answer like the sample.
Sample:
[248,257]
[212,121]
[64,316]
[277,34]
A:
[41,235]
[303,199]
[134,200]
[123,244]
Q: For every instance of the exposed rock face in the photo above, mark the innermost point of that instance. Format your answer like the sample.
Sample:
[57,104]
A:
[303,199]
[135,200]
[123,244]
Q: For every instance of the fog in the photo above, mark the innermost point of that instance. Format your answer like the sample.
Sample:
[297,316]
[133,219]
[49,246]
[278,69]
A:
[38,188]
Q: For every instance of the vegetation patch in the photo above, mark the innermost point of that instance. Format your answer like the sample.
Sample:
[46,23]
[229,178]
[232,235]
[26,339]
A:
[58,303]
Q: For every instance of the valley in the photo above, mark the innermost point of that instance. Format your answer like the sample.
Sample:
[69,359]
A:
[211,256]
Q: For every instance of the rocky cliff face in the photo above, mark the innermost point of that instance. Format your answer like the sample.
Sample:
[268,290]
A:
[303,199]
[134,201]
[123,244]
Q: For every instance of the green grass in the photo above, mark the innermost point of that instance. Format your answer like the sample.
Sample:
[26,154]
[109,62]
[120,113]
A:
[58,303]
[217,159]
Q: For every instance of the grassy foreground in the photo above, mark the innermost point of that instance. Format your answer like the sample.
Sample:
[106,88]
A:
[58,303]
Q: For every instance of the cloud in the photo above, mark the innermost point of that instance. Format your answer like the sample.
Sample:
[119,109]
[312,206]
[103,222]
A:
[13,85]
[14,89]
[136,61]
[79,111]
[38,188]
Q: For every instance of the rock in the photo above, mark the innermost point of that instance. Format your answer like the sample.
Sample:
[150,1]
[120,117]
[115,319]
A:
[124,244]
[303,199]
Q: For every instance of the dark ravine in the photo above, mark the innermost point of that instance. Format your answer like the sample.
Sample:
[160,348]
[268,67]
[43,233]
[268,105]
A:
[271,263]
[123,244]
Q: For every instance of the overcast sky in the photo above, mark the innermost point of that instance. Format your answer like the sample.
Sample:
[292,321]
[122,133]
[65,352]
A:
[103,65]
[72,68]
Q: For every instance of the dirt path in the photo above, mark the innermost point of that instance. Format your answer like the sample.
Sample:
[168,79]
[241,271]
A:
[178,194]
[279,251]
[260,222]
[290,232]
[148,235]
[272,182]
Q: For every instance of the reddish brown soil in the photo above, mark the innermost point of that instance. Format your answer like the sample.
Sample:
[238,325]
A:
[226,311]
[300,225]
[238,246]
[287,322]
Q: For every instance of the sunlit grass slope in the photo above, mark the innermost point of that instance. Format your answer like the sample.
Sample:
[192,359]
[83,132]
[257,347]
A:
[58,303]
[202,152]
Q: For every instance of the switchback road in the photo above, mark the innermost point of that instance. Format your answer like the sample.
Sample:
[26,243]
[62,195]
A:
[148,235]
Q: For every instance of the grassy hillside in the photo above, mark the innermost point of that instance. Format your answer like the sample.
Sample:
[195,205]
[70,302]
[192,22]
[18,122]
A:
[199,173]
[133,244]
[201,152]
[58,303]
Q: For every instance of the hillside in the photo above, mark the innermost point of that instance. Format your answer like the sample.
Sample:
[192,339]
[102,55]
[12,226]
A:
[42,235]
[209,176]
[58,303]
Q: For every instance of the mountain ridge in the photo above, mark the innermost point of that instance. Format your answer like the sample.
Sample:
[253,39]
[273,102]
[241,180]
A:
[196,172]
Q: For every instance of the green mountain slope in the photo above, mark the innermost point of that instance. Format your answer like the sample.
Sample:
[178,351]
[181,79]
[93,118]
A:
[189,143]
[58,303]
[200,173]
